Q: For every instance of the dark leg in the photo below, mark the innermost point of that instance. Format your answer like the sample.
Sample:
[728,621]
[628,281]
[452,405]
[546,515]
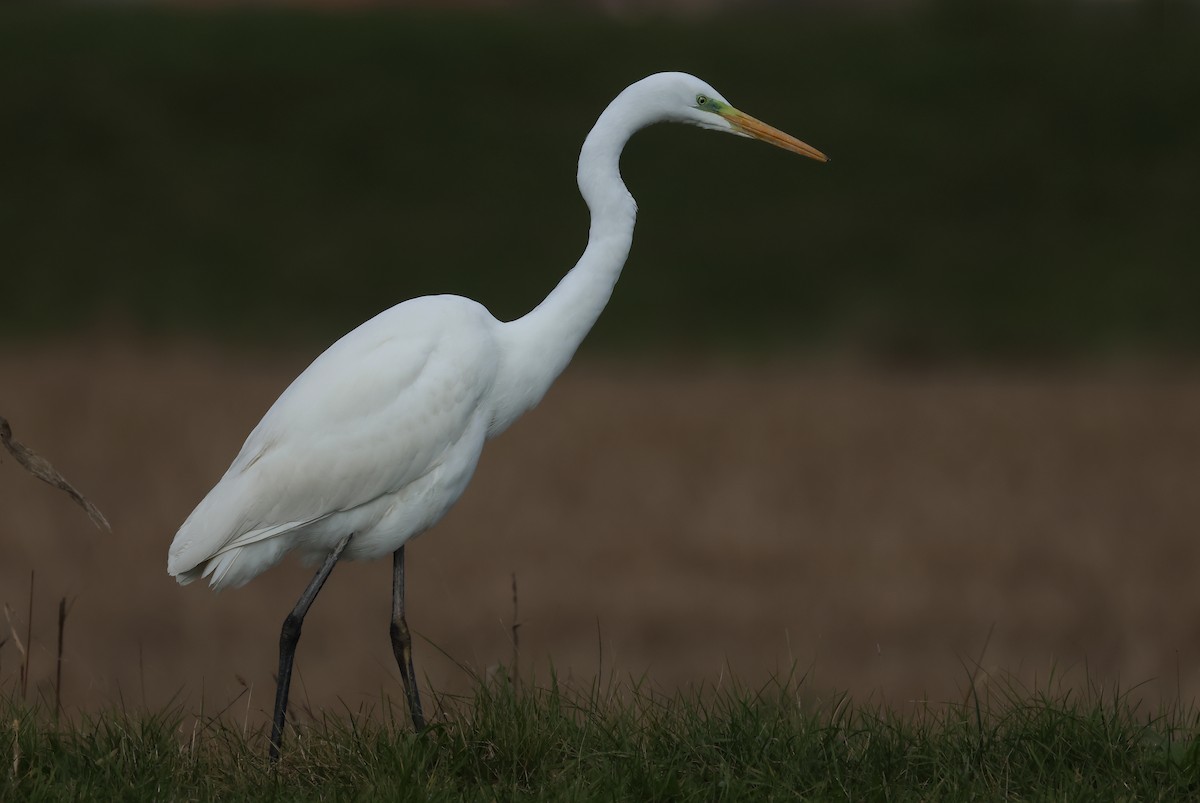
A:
[289,637]
[402,642]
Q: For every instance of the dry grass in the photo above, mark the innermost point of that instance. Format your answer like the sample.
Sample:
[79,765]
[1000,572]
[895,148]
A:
[681,520]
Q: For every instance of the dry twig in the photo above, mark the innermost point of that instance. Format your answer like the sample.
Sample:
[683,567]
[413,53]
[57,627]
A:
[516,642]
[16,762]
[24,653]
[62,621]
[39,467]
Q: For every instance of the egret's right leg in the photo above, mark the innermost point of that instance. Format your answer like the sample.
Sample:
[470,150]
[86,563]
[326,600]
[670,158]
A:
[289,636]
[402,642]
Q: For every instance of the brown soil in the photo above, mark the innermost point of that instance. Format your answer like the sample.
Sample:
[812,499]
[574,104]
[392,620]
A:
[685,522]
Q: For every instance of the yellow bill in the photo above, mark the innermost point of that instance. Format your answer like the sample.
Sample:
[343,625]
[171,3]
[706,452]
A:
[752,127]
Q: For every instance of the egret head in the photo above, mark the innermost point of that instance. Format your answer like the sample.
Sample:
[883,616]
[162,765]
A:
[695,102]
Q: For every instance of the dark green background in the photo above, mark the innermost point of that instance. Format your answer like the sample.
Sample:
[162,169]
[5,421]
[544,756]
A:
[1009,180]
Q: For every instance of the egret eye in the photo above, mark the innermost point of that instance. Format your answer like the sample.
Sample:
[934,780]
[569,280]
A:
[701,100]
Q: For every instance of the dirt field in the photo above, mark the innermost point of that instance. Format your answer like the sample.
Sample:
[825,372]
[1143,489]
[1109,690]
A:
[678,521]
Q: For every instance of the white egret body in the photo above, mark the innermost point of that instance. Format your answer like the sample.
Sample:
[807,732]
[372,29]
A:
[376,440]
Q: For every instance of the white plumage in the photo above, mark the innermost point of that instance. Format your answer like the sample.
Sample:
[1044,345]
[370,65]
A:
[377,437]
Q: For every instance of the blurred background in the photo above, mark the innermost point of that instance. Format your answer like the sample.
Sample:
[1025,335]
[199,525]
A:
[935,403]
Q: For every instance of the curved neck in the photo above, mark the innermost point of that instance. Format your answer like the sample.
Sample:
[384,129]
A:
[537,347]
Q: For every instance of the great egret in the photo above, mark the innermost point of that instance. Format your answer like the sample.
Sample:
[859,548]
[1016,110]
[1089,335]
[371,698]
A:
[379,436]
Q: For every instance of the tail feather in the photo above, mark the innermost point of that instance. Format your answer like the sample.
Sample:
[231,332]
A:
[191,575]
[235,567]
[241,558]
[217,542]
[218,569]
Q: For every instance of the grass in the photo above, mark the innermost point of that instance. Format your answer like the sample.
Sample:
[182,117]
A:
[625,742]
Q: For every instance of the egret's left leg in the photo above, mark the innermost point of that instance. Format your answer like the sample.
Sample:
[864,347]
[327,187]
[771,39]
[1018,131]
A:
[289,637]
[402,642]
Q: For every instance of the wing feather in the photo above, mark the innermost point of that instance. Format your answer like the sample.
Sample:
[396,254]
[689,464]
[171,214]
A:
[372,414]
